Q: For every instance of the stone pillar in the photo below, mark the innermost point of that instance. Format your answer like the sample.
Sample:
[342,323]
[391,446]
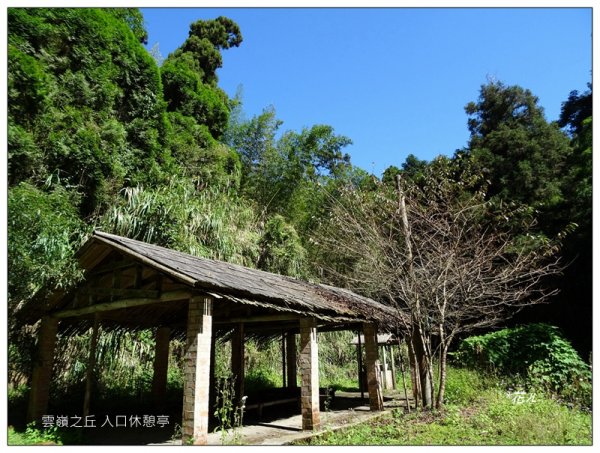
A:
[237,360]
[291,357]
[196,371]
[372,359]
[42,370]
[309,367]
[161,366]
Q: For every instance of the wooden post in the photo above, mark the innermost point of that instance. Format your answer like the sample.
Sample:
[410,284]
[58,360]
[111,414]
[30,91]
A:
[283,359]
[42,370]
[393,366]
[361,384]
[309,366]
[196,377]
[161,366]
[89,372]
[375,396]
[237,360]
[212,387]
[292,371]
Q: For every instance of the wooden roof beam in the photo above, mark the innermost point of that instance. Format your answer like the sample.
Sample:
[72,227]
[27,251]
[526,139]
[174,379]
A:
[259,318]
[123,303]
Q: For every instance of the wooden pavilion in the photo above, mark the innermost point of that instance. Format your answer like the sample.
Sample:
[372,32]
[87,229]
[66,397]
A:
[132,284]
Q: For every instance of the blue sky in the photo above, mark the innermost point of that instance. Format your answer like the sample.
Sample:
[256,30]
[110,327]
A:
[393,80]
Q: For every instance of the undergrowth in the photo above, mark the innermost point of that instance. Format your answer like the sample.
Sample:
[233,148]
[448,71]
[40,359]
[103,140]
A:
[480,411]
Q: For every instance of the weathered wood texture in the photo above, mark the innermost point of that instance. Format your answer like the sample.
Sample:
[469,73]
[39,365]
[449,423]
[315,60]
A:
[42,370]
[241,281]
[291,360]
[91,365]
[123,273]
[161,366]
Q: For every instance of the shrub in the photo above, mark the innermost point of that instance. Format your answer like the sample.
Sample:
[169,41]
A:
[537,353]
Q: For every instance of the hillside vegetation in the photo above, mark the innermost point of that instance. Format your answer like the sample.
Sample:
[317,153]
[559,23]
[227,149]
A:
[103,136]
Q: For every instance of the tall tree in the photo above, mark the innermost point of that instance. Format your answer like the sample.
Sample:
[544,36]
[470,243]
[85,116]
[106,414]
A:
[575,110]
[530,160]
[198,109]
[85,101]
[281,174]
[522,155]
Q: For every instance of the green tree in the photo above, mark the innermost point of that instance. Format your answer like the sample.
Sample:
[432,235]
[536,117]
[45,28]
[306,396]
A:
[198,110]
[522,155]
[85,101]
[575,110]
[412,168]
[44,230]
[281,249]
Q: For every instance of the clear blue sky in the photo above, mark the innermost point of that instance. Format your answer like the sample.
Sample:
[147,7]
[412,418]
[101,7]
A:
[393,80]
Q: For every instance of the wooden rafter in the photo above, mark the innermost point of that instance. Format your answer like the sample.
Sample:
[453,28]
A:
[122,303]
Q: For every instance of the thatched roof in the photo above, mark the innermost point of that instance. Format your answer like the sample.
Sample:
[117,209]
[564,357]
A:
[234,283]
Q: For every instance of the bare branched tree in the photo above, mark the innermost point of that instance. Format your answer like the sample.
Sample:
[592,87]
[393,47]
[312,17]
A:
[437,250]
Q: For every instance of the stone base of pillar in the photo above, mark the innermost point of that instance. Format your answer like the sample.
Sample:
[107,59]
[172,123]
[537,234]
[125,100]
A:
[196,372]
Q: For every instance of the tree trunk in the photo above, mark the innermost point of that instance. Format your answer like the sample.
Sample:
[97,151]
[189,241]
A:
[416,383]
[422,366]
[444,345]
[442,385]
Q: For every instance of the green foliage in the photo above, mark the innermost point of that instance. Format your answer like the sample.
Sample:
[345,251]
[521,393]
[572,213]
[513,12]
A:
[85,101]
[189,75]
[575,110]
[281,249]
[537,352]
[412,168]
[44,231]
[204,223]
[483,415]
[227,412]
[134,18]
[34,436]
[124,362]
[263,366]
[521,153]
[465,386]
[283,175]
[260,380]
[337,360]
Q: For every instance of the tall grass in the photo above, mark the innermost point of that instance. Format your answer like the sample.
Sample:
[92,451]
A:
[482,412]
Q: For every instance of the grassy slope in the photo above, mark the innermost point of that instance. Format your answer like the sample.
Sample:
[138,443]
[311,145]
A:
[479,412]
